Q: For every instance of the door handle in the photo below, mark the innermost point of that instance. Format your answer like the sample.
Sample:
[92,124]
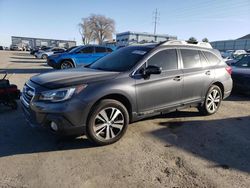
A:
[177,78]
[208,72]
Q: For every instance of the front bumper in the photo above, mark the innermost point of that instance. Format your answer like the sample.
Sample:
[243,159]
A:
[70,116]
[52,63]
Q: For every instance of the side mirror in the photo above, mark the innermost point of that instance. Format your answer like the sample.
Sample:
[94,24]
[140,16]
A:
[151,69]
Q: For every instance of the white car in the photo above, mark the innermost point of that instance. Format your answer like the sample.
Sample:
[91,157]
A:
[43,54]
[239,52]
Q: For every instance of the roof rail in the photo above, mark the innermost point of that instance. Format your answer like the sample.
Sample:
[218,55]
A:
[185,43]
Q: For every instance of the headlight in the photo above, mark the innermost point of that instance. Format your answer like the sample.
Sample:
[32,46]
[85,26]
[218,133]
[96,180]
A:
[60,94]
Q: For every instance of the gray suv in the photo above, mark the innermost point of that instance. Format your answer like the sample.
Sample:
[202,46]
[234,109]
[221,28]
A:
[132,83]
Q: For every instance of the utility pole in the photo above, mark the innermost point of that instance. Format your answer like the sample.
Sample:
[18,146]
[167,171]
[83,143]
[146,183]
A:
[156,18]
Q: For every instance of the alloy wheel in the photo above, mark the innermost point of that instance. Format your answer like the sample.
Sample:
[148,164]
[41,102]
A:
[109,122]
[213,100]
[66,65]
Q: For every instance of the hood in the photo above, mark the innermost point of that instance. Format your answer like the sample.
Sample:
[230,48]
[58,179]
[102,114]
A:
[69,77]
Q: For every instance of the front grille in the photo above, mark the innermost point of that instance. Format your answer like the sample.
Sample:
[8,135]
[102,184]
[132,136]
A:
[27,94]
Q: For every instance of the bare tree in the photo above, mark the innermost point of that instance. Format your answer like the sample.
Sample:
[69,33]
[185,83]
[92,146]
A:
[85,31]
[97,28]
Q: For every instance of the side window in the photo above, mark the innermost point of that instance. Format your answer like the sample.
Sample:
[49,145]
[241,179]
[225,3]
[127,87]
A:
[109,50]
[100,50]
[166,59]
[87,50]
[212,59]
[204,62]
[190,58]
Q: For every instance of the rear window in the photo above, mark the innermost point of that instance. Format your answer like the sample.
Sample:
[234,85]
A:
[190,58]
[244,62]
[100,50]
[212,59]
[109,50]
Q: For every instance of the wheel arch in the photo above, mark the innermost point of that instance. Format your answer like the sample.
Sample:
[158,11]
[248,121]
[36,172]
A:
[68,59]
[118,97]
[220,85]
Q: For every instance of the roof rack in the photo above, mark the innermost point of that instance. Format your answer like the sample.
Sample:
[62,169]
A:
[185,43]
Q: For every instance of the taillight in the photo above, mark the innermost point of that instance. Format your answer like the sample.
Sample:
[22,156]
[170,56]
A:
[229,70]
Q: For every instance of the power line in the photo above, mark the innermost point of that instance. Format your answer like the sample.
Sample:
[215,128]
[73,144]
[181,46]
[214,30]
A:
[156,19]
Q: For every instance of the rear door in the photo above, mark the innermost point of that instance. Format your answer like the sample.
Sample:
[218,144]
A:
[163,90]
[84,56]
[196,76]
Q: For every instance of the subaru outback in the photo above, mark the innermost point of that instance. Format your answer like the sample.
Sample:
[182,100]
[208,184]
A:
[130,84]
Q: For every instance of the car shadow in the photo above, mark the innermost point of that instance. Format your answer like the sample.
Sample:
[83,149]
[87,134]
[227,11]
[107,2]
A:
[29,61]
[238,97]
[225,142]
[25,58]
[26,71]
[21,54]
[17,137]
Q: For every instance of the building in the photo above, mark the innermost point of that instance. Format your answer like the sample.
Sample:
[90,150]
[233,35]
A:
[127,38]
[242,43]
[37,42]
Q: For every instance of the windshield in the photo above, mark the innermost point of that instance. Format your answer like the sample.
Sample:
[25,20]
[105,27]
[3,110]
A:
[121,60]
[244,62]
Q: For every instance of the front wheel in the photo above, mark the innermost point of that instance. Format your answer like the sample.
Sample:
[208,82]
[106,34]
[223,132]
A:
[107,122]
[67,65]
[44,56]
[212,101]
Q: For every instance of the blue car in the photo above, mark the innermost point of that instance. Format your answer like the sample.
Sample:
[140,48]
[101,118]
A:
[78,56]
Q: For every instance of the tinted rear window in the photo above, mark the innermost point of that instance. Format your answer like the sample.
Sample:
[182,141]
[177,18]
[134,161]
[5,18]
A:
[212,59]
[190,58]
[100,50]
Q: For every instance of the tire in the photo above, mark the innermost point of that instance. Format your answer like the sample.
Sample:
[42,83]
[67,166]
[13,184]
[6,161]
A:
[107,123]
[44,56]
[66,64]
[212,101]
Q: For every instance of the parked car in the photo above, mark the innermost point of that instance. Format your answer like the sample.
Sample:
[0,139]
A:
[79,56]
[241,75]
[127,85]
[44,54]
[15,48]
[238,52]
[235,59]
[1,48]
[36,49]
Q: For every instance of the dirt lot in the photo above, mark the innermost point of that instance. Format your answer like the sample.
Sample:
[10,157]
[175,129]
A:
[181,149]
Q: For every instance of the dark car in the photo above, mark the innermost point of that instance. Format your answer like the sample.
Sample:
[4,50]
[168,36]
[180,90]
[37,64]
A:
[79,56]
[36,49]
[241,75]
[1,48]
[127,85]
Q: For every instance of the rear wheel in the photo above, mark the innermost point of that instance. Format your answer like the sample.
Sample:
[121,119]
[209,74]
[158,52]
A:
[107,122]
[212,101]
[67,64]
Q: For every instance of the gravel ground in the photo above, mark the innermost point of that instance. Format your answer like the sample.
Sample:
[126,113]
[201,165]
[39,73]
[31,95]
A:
[181,149]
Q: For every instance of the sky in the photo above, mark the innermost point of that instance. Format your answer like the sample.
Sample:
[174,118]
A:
[59,19]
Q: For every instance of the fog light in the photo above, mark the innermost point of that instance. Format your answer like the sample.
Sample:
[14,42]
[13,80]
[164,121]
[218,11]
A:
[54,126]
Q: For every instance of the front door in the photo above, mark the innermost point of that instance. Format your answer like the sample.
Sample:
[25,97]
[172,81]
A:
[160,91]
